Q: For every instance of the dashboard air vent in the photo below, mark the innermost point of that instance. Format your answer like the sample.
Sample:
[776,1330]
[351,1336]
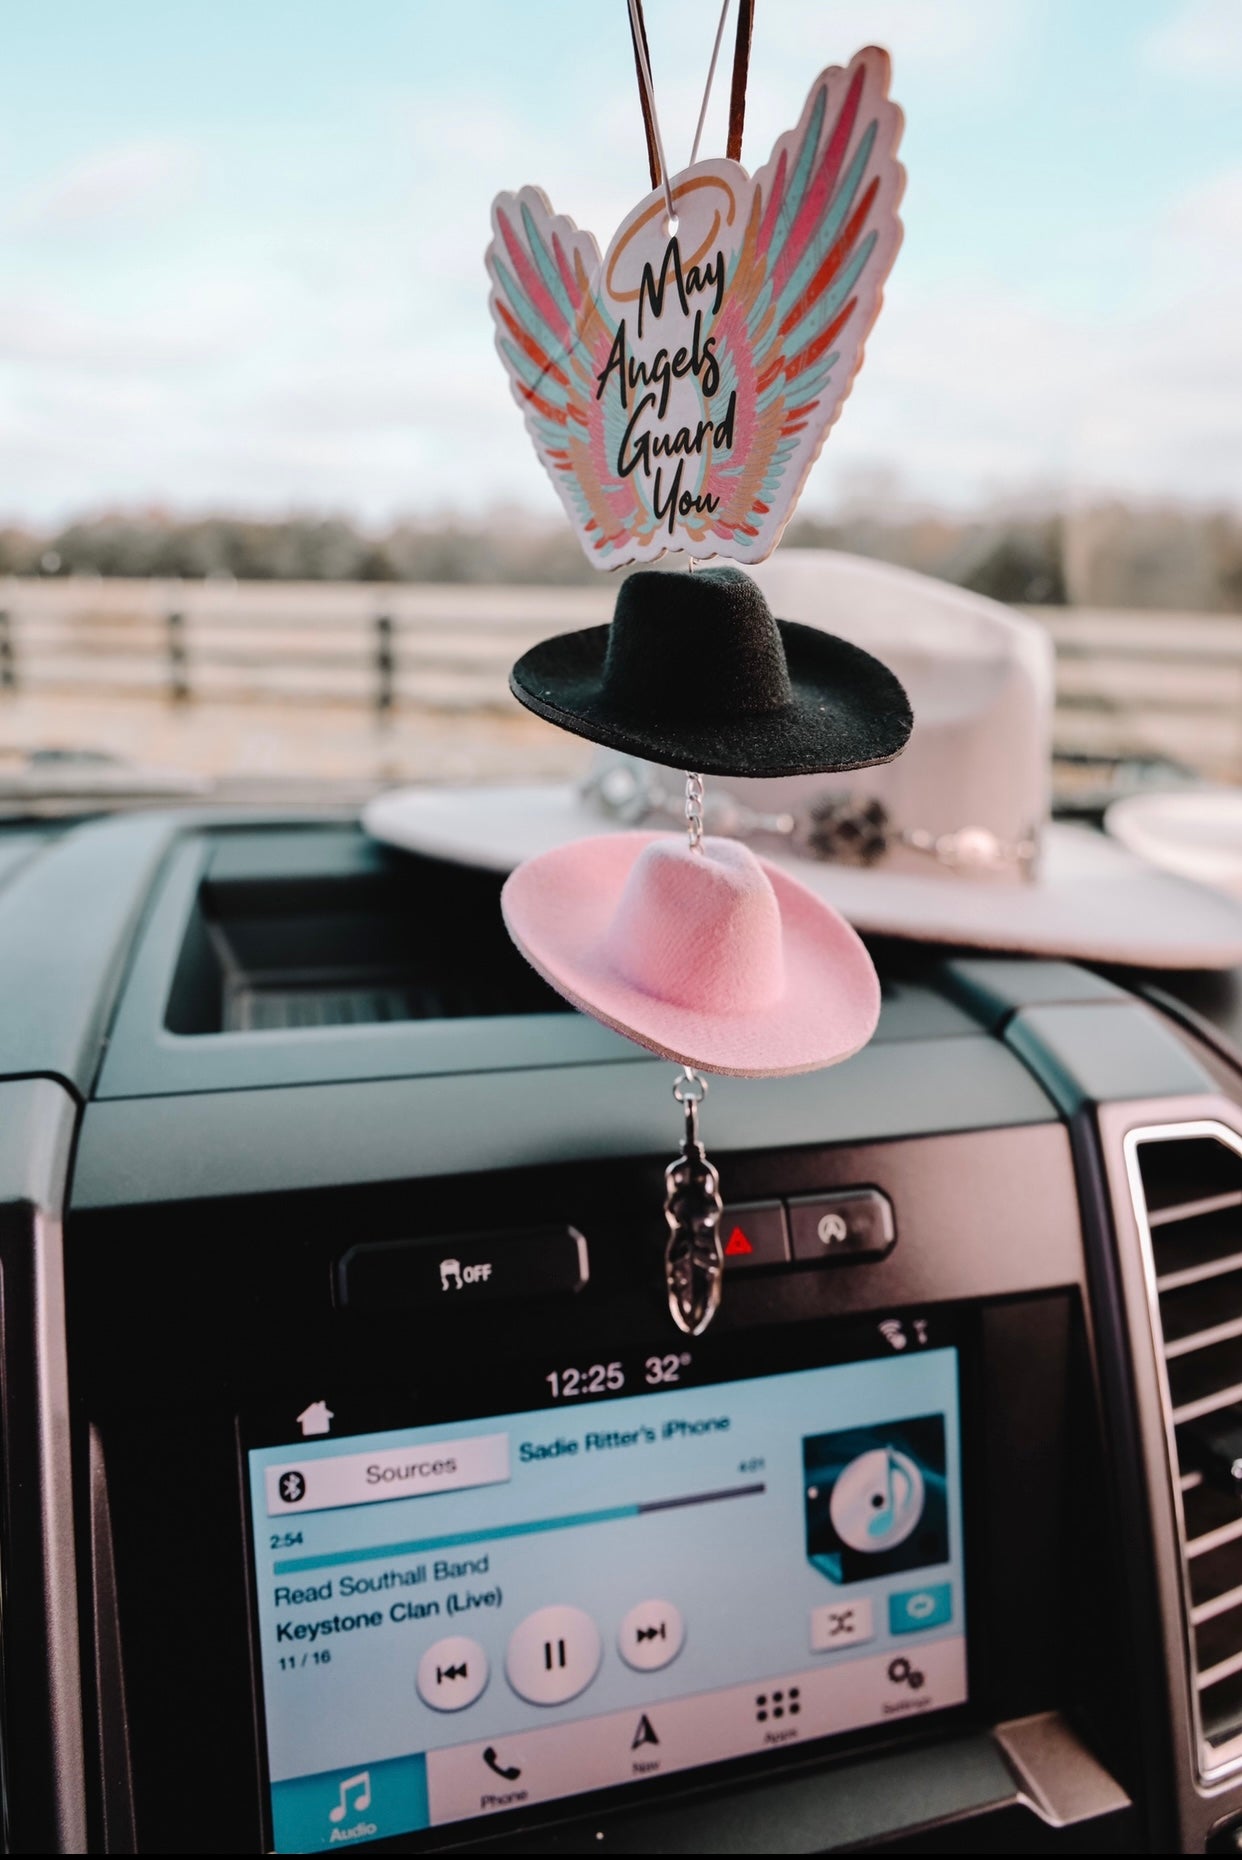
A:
[1187,1186]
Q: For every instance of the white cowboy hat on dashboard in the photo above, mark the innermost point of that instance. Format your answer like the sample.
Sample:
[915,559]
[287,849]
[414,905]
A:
[950,843]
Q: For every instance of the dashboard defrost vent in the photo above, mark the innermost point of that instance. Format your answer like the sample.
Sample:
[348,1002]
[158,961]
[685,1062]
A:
[1187,1187]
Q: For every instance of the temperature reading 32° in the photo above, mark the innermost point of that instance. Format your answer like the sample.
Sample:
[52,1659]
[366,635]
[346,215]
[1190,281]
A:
[665,1369]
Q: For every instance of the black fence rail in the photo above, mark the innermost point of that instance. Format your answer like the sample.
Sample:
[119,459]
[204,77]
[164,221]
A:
[302,644]
[1129,684]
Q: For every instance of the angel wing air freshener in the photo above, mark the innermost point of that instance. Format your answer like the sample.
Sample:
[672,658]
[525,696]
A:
[678,391]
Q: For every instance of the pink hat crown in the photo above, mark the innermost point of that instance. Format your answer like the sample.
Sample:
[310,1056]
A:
[699,929]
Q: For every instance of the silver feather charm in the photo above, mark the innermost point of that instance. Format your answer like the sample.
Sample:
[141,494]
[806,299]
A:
[693,1256]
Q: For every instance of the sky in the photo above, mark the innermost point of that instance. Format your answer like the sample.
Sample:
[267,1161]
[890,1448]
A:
[241,245]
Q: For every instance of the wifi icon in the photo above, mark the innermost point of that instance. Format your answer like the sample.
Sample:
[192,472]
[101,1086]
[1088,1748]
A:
[893,1334]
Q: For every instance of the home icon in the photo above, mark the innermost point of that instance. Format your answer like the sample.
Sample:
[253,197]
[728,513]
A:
[317,1419]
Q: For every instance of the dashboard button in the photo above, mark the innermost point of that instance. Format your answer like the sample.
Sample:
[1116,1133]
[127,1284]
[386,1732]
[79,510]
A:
[651,1636]
[553,1655]
[915,1609]
[452,1673]
[856,1224]
[753,1233]
[841,1624]
[454,1274]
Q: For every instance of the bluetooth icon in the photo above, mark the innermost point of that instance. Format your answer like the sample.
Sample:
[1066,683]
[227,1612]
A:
[292,1487]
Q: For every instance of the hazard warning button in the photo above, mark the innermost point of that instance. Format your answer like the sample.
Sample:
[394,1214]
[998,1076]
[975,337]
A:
[753,1233]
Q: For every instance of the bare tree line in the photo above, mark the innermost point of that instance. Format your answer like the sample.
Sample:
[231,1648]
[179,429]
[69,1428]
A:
[1108,555]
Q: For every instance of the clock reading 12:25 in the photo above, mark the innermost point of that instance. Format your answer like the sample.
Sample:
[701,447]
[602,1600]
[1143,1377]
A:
[594,1379]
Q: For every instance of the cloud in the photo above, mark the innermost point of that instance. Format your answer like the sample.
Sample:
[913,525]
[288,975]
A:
[952,39]
[342,355]
[1202,41]
[133,181]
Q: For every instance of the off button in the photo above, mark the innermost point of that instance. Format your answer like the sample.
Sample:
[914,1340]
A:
[459,1272]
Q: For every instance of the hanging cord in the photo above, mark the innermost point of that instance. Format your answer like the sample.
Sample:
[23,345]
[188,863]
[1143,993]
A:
[707,89]
[656,159]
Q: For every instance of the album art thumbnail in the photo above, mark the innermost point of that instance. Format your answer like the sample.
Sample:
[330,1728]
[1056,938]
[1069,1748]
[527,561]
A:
[876,1499]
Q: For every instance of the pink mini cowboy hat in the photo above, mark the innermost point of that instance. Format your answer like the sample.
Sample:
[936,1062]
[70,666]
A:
[710,957]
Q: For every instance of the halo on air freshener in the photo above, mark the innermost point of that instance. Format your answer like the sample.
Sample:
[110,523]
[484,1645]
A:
[678,390]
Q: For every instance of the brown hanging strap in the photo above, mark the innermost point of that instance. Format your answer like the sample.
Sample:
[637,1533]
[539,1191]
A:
[741,71]
[653,158]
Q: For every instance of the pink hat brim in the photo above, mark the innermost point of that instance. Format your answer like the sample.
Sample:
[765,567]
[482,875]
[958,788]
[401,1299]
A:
[558,907]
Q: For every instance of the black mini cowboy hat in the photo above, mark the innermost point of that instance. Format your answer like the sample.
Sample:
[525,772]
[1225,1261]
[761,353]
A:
[695,673]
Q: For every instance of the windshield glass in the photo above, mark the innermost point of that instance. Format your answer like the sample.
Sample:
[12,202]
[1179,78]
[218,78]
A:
[268,514]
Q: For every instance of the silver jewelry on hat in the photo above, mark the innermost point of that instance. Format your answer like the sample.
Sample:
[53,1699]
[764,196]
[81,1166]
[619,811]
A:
[845,828]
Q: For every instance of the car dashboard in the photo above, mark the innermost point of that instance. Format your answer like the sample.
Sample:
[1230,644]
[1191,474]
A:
[357,1489]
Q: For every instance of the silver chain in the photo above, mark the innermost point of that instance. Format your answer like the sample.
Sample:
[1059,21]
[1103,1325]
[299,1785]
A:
[694,811]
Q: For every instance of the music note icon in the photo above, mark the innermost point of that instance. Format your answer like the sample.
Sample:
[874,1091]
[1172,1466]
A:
[877,1500]
[362,1784]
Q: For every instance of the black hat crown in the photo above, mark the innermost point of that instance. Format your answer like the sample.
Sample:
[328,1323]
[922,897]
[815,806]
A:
[702,645]
[695,673]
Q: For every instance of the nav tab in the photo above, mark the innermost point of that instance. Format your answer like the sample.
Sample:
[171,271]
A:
[315,1484]
[453,1274]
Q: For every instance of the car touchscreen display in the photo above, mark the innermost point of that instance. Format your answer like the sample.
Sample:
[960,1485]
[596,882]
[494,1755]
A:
[462,1619]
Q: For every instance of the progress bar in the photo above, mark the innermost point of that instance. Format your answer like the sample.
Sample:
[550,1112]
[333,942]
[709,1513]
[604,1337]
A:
[372,1553]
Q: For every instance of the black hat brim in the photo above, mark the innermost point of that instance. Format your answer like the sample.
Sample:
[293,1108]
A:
[847,710]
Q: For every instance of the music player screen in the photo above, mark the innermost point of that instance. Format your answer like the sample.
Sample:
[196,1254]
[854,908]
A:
[465,1619]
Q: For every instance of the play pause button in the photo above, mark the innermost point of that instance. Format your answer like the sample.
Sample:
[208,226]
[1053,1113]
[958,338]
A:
[651,1636]
[553,1655]
[452,1673]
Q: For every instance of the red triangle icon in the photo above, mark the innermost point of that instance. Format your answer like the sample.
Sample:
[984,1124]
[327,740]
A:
[738,1243]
